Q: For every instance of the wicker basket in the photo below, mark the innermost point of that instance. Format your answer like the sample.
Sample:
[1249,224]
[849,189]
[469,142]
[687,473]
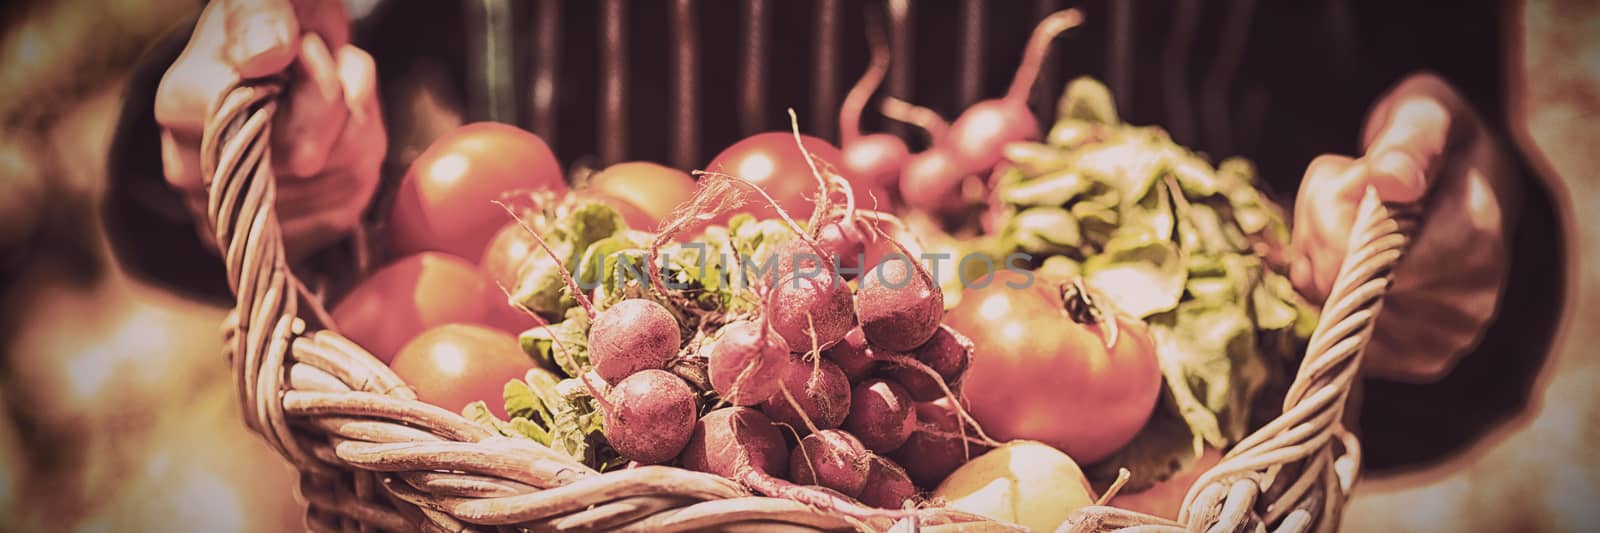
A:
[373,458]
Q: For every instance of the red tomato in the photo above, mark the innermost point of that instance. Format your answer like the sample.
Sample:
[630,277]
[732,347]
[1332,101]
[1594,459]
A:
[1165,499]
[651,190]
[415,293]
[444,201]
[1039,374]
[456,364]
[773,162]
[507,253]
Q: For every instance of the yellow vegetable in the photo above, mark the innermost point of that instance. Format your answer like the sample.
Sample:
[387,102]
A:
[1024,482]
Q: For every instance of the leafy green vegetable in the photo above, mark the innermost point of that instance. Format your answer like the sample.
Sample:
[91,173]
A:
[1044,230]
[1033,159]
[569,230]
[559,414]
[1050,189]
[1190,248]
[564,344]
[1086,99]
[1140,272]
[1209,359]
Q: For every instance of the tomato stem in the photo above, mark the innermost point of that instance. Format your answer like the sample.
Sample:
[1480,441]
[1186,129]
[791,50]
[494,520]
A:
[1087,309]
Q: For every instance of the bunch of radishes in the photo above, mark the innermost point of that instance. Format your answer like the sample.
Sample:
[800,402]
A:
[948,178]
[836,390]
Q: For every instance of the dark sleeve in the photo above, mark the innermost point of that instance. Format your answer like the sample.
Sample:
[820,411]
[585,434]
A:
[151,233]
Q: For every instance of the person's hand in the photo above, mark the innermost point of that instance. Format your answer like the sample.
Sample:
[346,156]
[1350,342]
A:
[1423,144]
[328,138]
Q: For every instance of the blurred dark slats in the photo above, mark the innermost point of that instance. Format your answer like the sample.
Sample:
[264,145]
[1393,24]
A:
[492,67]
[900,46]
[1175,63]
[614,46]
[825,79]
[547,57]
[685,86]
[1119,60]
[753,67]
[1215,110]
[971,59]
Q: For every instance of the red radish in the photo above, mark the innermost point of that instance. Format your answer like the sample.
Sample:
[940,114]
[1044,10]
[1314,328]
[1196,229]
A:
[888,486]
[947,353]
[936,448]
[900,305]
[853,356]
[1056,368]
[842,247]
[931,181]
[874,159]
[735,442]
[649,416]
[742,444]
[882,414]
[978,137]
[822,392]
[832,459]
[746,362]
[811,312]
[633,335]
[846,242]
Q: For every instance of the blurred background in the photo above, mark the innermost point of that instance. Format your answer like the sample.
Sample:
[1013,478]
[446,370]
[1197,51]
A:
[119,414]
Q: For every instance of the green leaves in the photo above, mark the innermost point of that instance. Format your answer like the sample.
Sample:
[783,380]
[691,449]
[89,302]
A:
[564,344]
[569,229]
[1140,272]
[1165,236]
[1045,230]
[1210,362]
[559,414]
[1087,100]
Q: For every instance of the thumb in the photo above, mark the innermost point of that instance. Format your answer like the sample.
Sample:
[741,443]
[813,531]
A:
[262,36]
[1408,134]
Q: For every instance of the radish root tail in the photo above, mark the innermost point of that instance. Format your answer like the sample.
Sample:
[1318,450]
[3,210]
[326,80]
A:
[927,119]
[1038,47]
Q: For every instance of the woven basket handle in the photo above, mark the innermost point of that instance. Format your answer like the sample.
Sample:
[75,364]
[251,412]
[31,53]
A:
[1295,473]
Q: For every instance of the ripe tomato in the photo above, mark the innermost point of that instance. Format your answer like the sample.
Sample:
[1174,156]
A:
[453,365]
[1040,374]
[415,293]
[773,162]
[507,253]
[1165,499]
[444,200]
[651,190]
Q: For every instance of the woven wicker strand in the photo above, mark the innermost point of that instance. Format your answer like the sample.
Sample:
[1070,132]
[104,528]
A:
[374,458]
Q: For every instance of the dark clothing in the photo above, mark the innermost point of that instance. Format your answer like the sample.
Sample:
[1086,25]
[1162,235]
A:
[1306,75]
